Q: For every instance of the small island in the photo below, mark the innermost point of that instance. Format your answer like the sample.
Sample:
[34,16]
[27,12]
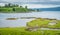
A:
[14,8]
[11,18]
[44,23]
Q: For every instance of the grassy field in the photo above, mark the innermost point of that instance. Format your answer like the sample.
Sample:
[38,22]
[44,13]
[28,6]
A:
[13,10]
[23,31]
[42,22]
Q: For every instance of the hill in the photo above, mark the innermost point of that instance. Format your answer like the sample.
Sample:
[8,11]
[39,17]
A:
[47,9]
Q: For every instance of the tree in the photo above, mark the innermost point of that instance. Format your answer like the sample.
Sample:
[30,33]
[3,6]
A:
[21,7]
[26,7]
[13,9]
[9,4]
[6,5]
[16,5]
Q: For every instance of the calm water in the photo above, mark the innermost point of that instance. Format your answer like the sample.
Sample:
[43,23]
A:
[22,22]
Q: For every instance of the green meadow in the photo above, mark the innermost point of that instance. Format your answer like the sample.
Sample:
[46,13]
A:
[44,22]
[14,8]
[23,31]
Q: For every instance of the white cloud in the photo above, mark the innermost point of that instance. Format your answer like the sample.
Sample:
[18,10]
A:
[39,6]
[54,0]
[29,0]
[21,0]
[1,4]
[10,0]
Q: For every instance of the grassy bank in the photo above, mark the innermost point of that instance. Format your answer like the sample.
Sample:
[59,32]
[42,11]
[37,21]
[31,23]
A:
[13,8]
[44,22]
[23,31]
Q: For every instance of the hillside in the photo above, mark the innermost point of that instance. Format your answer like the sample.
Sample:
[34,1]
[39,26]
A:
[48,9]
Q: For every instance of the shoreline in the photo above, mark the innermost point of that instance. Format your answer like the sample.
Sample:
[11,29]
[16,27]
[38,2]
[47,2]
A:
[29,18]
[22,12]
[33,18]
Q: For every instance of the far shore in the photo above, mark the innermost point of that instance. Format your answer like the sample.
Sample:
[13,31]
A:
[30,18]
[19,12]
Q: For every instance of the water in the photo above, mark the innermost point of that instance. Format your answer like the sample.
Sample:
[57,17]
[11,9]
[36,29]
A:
[22,22]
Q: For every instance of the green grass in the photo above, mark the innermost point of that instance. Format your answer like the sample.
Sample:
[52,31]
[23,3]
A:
[43,23]
[16,31]
[23,31]
[10,10]
[21,10]
[5,10]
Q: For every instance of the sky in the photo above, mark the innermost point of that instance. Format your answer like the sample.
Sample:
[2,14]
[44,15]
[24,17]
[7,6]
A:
[54,2]
[36,3]
[31,0]
[40,6]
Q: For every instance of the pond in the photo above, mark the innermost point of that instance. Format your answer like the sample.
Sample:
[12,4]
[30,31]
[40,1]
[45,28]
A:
[22,22]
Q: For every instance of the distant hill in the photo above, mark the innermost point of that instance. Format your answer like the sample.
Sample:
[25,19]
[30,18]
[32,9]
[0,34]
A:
[48,9]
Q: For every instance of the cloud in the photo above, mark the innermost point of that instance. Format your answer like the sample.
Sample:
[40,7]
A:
[40,6]
[34,1]
[30,0]
[21,0]
[54,0]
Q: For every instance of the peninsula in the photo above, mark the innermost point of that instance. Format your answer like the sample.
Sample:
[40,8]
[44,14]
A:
[14,8]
